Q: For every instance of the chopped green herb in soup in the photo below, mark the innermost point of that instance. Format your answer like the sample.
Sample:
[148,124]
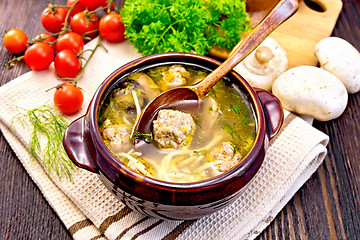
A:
[182,147]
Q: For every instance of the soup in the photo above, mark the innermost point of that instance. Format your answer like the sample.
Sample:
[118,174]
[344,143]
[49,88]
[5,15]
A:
[182,146]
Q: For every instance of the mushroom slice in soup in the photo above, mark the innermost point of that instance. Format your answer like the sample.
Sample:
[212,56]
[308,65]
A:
[146,84]
[125,98]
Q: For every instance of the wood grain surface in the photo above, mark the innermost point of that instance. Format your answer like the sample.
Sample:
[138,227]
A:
[326,207]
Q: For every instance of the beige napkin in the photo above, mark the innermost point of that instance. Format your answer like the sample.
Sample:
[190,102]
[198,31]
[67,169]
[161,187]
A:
[90,211]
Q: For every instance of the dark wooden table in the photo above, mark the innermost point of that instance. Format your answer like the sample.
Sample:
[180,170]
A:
[326,207]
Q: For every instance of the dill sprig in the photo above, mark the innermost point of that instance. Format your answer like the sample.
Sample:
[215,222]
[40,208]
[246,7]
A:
[147,137]
[51,126]
[238,108]
[231,131]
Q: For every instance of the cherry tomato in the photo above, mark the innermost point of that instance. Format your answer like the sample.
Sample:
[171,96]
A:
[68,98]
[39,56]
[53,18]
[48,38]
[111,28]
[15,41]
[72,41]
[112,7]
[67,64]
[83,22]
[78,7]
[92,4]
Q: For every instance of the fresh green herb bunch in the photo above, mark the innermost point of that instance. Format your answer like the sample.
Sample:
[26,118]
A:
[155,26]
[51,126]
[230,20]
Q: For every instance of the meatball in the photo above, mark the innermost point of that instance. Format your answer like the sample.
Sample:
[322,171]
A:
[175,77]
[226,157]
[118,137]
[173,129]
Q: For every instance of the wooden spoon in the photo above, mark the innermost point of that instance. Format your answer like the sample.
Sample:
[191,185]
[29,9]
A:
[186,97]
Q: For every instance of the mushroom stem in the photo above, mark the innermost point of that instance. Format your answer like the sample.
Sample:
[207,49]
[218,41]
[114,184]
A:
[264,64]
[264,54]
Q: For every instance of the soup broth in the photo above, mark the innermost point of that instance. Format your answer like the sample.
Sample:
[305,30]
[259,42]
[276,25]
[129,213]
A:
[213,140]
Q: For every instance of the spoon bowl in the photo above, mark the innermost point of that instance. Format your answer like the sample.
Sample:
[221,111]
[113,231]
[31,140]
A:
[192,95]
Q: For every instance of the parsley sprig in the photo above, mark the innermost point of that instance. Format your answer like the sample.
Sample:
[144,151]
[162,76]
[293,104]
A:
[155,26]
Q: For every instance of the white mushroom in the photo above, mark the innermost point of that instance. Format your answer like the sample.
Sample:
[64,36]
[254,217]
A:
[342,59]
[264,64]
[311,91]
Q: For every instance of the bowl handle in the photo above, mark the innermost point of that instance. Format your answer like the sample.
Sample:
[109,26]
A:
[79,146]
[274,114]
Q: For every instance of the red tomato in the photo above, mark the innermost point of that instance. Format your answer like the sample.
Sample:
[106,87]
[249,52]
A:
[67,64]
[78,7]
[39,56]
[72,41]
[68,98]
[84,22]
[111,28]
[15,41]
[112,7]
[53,18]
[48,38]
[92,4]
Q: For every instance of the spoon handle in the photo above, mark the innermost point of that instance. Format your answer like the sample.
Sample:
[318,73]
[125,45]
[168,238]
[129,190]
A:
[279,14]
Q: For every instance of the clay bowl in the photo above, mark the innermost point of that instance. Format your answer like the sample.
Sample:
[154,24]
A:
[166,200]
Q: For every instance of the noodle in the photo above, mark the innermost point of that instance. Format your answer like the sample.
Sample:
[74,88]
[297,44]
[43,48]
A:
[213,142]
[138,112]
[155,166]
[165,163]
[185,162]
[134,162]
[126,121]
[137,105]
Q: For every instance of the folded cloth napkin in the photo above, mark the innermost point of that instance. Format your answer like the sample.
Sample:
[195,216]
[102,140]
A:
[90,211]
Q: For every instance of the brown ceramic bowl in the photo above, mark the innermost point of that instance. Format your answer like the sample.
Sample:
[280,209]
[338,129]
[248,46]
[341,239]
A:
[84,145]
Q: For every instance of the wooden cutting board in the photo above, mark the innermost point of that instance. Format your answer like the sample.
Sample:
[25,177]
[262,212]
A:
[299,35]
